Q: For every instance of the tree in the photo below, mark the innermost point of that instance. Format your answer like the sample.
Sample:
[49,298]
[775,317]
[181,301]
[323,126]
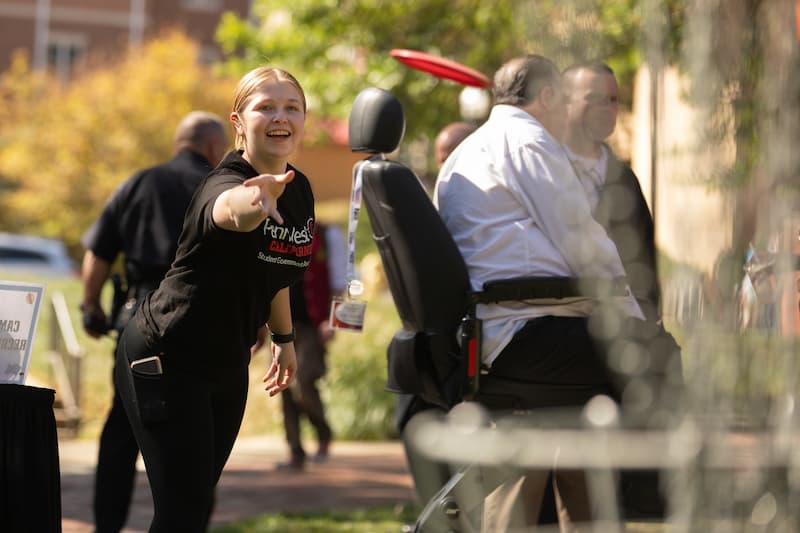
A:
[338,48]
[65,147]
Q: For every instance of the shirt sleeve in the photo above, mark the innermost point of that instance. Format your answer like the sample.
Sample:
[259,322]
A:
[208,194]
[550,192]
[103,237]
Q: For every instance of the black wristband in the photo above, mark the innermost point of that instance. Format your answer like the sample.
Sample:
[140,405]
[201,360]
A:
[285,338]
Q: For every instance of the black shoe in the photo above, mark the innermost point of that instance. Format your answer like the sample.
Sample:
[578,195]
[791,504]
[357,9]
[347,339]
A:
[295,464]
[323,453]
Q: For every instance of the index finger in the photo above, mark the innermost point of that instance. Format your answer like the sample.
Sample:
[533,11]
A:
[284,178]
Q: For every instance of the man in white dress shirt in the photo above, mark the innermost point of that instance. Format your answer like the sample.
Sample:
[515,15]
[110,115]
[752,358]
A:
[516,208]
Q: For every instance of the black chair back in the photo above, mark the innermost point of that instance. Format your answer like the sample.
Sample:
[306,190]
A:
[425,271]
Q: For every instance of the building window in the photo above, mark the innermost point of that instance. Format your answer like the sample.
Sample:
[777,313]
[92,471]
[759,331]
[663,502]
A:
[208,55]
[64,53]
[202,5]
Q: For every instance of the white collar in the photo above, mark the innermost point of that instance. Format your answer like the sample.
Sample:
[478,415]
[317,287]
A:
[590,163]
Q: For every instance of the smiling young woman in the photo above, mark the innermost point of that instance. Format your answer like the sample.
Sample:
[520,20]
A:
[269,118]
[247,237]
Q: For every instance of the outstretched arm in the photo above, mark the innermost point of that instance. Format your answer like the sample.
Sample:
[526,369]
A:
[245,206]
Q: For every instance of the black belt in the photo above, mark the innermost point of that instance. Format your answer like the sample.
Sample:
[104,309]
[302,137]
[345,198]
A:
[531,288]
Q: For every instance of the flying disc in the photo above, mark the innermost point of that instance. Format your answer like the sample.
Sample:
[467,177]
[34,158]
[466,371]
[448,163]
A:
[441,67]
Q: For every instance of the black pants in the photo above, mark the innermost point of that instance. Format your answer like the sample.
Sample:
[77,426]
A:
[564,362]
[557,353]
[551,362]
[116,470]
[185,454]
[116,460]
[575,358]
[302,397]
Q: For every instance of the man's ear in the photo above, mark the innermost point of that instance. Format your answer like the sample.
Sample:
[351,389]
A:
[547,96]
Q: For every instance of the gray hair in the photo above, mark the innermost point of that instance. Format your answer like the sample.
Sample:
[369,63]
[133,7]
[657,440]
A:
[198,127]
[520,80]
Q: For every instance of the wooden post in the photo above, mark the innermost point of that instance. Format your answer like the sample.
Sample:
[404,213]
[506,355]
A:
[790,291]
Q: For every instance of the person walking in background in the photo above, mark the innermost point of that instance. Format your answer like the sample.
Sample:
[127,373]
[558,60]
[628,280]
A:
[311,303]
[182,360]
[443,144]
[142,220]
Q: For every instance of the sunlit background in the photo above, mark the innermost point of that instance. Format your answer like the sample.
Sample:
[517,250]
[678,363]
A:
[91,91]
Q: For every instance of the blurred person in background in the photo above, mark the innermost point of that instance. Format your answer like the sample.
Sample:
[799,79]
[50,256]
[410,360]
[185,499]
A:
[311,299]
[617,203]
[142,220]
[448,138]
[613,190]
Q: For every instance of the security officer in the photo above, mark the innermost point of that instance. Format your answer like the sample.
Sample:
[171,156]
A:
[143,220]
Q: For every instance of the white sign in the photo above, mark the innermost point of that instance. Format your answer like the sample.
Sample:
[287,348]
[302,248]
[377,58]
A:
[19,313]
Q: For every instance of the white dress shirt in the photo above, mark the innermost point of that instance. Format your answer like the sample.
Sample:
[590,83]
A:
[515,208]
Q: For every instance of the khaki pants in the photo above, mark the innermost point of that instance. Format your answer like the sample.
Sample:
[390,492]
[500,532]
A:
[514,506]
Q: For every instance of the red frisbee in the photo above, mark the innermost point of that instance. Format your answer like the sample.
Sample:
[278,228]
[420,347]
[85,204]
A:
[440,67]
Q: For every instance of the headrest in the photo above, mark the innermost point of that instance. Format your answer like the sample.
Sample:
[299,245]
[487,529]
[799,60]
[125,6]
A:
[377,122]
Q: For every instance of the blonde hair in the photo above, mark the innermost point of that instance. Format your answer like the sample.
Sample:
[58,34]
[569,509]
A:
[251,82]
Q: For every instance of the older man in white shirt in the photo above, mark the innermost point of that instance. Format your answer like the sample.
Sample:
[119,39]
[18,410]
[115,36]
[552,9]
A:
[515,208]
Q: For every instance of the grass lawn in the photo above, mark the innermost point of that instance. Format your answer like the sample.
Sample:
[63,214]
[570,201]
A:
[375,520]
[395,519]
[363,409]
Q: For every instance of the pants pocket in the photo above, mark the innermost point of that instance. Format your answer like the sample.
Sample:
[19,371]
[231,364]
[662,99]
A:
[149,392]
[144,394]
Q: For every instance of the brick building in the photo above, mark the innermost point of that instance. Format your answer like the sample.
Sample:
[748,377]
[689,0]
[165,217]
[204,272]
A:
[60,34]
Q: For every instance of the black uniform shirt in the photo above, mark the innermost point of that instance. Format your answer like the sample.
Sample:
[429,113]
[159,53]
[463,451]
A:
[144,216]
[218,292]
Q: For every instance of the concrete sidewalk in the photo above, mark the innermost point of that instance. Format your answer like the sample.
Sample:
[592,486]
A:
[358,475]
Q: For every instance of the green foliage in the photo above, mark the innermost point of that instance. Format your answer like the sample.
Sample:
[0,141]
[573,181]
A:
[375,520]
[338,48]
[357,375]
[65,148]
[358,405]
